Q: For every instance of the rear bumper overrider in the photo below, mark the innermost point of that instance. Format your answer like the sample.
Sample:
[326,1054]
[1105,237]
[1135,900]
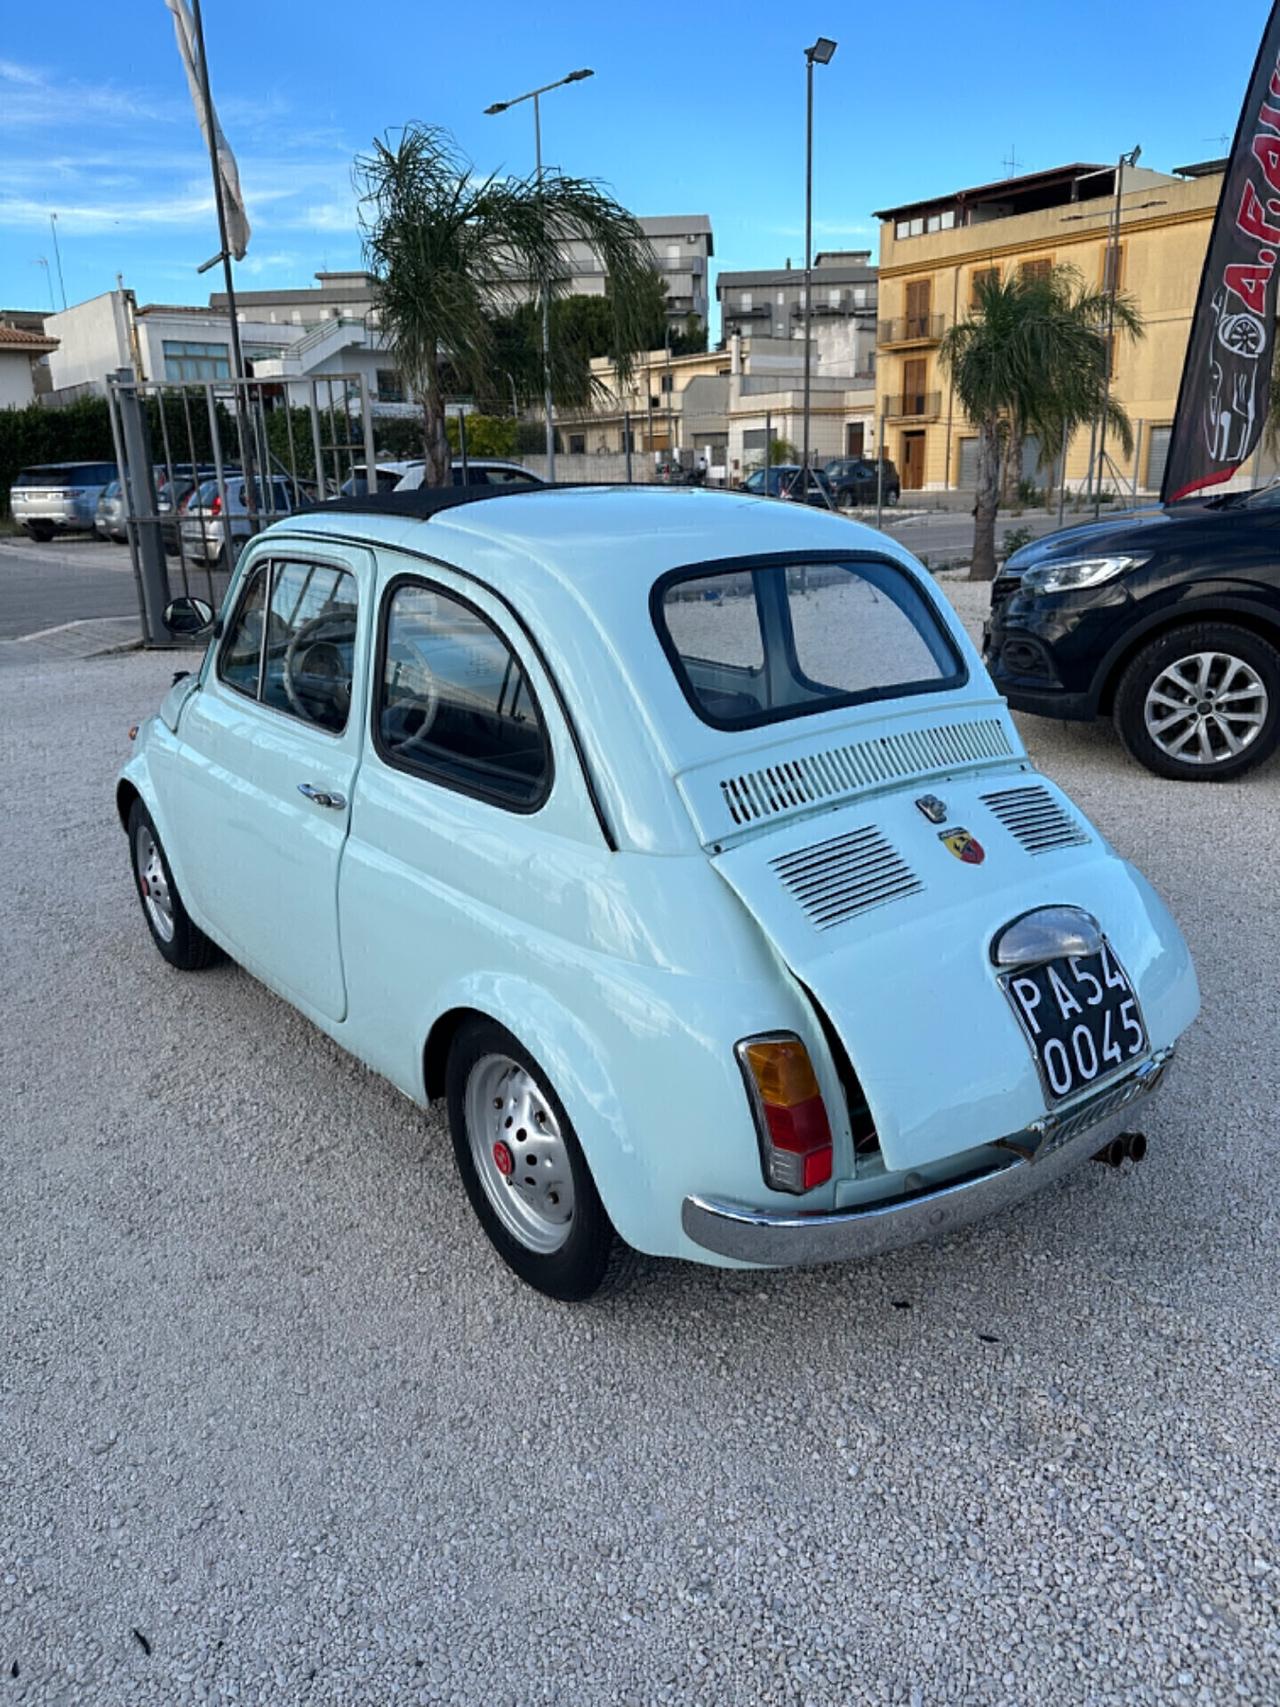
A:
[1043,1153]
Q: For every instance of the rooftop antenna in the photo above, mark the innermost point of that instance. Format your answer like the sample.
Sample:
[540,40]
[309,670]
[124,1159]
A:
[1012,164]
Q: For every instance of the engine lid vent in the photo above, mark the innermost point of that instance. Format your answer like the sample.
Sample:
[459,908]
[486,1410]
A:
[835,772]
[846,875]
[1036,819]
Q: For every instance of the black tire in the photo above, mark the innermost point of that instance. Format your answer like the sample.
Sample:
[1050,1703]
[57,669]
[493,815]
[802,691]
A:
[891,497]
[593,1259]
[187,948]
[41,532]
[1142,673]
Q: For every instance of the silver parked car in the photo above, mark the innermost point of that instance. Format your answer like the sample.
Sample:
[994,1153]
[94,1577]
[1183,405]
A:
[59,497]
[207,522]
[110,521]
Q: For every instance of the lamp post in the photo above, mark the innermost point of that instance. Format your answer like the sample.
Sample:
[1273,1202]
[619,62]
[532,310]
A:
[535,96]
[1113,282]
[819,54]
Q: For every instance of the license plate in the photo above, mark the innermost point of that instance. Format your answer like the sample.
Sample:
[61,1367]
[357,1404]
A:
[1081,1018]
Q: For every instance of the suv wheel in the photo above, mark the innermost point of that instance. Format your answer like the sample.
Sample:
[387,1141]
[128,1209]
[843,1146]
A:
[40,531]
[1201,704]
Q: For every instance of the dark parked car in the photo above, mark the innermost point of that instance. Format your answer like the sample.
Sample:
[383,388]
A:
[1167,621]
[854,480]
[783,481]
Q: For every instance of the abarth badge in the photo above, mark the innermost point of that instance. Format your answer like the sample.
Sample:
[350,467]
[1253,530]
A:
[964,846]
[935,810]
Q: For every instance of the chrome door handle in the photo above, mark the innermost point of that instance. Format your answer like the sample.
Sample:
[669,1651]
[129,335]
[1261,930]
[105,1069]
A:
[322,797]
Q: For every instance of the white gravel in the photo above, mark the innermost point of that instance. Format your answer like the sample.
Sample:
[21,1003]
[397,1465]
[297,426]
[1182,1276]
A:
[268,1402]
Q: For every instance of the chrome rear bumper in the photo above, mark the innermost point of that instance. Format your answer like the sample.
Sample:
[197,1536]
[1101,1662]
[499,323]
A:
[771,1240]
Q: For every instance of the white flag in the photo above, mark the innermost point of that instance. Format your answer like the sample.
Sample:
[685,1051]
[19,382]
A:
[232,199]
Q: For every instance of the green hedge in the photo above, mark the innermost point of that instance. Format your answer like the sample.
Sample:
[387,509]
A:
[79,433]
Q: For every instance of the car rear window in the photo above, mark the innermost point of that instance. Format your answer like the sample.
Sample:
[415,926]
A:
[78,474]
[764,642]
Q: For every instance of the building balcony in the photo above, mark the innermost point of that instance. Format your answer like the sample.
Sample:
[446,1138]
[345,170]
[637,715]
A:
[761,311]
[911,329]
[913,406]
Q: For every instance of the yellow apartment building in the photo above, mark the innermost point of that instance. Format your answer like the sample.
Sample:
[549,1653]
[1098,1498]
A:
[933,252]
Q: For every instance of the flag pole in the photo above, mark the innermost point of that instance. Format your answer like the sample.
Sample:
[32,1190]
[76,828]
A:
[210,129]
[239,397]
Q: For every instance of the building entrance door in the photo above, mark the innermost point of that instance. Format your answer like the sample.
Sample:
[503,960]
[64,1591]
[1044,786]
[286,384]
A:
[913,461]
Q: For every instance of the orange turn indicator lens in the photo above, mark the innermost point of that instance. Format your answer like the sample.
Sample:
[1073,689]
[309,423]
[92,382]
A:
[795,1135]
[782,1071]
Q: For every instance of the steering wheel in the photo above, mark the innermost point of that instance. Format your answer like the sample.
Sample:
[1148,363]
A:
[316,666]
[427,701]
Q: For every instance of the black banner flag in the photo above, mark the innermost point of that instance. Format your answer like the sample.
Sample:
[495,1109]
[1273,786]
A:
[1226,382]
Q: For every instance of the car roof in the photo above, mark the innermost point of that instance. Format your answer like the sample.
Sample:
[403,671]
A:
[584,537]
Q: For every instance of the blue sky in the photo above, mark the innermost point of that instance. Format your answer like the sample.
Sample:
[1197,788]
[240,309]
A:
[692,109]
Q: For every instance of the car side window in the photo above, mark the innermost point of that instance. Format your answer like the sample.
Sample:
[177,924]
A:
[240,659]
[509,477]
[453,703]
[306,613]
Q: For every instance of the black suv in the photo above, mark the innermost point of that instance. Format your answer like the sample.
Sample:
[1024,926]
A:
[854,480]
[1167,621]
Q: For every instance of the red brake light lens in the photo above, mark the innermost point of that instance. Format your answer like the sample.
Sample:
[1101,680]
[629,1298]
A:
[791,1117]
[215,509]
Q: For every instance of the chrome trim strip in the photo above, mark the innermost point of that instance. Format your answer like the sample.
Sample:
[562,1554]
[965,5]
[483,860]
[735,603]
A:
[770,1240]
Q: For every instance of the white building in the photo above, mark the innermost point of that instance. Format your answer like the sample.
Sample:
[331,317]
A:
[164,341]
[20,351]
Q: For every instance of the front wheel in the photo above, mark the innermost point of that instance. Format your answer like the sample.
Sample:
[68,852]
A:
[182,943]
[1201,704]
[524,1170]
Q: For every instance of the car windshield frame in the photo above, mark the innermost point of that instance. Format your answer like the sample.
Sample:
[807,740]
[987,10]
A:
[942,640]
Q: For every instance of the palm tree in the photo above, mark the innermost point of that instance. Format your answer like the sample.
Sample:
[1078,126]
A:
[449,250]
[1032,358]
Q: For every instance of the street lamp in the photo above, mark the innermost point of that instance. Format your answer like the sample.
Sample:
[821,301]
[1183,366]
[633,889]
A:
[819,54]
[534,95]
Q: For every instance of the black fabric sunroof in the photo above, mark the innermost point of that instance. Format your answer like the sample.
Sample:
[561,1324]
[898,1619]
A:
[423,502]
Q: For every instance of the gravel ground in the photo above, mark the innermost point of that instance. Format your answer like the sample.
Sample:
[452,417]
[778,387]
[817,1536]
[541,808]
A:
[276,1427]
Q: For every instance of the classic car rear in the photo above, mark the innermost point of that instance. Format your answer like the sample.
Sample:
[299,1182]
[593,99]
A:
[681,841]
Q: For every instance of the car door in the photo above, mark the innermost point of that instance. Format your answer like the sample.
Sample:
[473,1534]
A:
[268,752]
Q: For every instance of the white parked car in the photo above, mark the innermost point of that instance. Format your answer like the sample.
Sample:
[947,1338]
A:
[680,843]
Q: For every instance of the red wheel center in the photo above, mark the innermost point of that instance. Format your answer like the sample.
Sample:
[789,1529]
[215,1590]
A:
[144,885]
[503,1160]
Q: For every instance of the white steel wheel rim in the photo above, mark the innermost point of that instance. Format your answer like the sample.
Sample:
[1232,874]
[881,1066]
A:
[153,881]
[519,1153]
[1206,708]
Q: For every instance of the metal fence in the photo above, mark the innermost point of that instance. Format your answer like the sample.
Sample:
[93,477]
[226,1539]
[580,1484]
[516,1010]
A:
[205,465]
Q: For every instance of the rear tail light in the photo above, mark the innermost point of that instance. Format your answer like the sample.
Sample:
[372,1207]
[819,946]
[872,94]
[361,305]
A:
[215,509]
[791,1118]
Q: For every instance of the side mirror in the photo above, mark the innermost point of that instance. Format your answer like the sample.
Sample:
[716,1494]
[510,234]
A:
[188,616]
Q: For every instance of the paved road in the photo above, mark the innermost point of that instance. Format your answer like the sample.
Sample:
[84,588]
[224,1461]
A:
[75,578]
[70,580]
[276,1427]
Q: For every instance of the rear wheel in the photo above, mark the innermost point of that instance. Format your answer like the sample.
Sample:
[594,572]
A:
[182,943]
[524,1169]
[41,531]
[1202,703]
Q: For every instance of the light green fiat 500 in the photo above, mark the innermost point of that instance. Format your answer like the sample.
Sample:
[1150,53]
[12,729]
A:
[679,841]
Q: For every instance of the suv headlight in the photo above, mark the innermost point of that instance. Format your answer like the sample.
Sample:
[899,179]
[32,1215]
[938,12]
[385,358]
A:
[1077,572]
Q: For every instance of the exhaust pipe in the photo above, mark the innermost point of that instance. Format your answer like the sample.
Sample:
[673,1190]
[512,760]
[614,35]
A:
[1125,1147]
